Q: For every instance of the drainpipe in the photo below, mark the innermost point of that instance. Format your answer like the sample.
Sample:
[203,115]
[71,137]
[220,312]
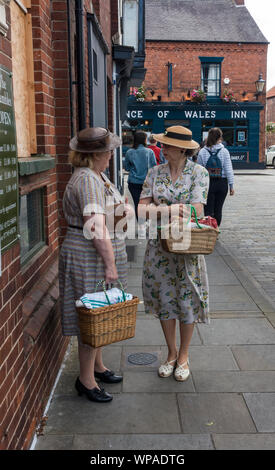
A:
[79,13]
[70,66]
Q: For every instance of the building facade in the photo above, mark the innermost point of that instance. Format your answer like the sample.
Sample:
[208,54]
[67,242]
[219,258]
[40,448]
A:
[214,47]
[63,66]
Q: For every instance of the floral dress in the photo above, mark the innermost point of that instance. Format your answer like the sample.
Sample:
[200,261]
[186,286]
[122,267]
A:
[175,285]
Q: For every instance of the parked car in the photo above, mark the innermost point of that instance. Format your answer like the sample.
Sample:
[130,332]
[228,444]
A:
[270,155]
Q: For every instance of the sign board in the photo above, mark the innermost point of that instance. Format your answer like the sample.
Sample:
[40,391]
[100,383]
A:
[8,163]
[238,156]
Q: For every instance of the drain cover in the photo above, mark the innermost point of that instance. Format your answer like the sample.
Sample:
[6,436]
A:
[142,359]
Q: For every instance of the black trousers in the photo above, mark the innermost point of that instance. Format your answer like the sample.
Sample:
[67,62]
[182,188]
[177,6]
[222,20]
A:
[218,190]
[135,190]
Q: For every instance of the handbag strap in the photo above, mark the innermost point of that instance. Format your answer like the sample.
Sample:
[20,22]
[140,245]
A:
[104,288]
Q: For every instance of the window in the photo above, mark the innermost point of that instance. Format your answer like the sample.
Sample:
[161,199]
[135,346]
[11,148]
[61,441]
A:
[211,76]
[235,133]
[95,65]
[23,79]
[32,236]
[130,23]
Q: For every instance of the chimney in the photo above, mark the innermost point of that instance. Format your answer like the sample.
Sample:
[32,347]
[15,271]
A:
[239,2]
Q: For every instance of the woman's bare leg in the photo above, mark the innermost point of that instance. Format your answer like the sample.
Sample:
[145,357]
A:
[186,333]
[87,356]
[169,330]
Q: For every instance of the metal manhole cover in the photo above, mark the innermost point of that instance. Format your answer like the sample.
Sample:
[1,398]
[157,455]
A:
[142,359]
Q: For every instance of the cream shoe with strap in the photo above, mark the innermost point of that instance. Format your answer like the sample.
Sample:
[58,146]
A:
[181,374]
[167,369]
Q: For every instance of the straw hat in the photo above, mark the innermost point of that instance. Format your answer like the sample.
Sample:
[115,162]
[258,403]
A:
[177,136]
[94,139]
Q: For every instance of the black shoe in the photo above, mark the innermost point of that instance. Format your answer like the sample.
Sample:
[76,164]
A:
[109,377]
[93,394]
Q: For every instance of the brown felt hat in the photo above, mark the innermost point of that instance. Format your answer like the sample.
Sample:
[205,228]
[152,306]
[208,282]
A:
[94,139]
[177,136]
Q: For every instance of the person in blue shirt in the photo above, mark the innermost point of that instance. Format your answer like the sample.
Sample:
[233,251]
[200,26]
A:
[138,160]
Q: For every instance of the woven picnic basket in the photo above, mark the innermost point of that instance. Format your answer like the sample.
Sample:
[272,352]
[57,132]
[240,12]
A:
[108,324]
[202,242]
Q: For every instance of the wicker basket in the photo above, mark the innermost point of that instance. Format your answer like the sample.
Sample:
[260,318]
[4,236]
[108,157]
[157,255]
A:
[202,242]
[107,325]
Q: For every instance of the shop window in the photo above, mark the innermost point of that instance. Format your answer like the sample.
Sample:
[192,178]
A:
[235,133]
[170,122]
[211,76]
[32,236]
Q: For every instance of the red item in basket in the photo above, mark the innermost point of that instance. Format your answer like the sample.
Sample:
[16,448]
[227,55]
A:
[207,221]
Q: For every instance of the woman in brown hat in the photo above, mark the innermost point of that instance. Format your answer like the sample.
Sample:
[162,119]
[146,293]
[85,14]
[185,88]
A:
[90,255]
[175,286]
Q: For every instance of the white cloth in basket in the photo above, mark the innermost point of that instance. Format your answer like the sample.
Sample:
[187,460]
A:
[98,299]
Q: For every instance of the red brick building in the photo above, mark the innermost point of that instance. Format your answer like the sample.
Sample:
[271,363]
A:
[51,55]
[214,46]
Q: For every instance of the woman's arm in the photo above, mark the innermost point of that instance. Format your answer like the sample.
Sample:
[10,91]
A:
[147,209]
[95,229]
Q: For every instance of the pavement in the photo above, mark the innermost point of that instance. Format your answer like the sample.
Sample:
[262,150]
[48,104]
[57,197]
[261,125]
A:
[228,402]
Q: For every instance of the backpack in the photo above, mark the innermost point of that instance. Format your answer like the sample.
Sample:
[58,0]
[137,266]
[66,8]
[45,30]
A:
[214,164]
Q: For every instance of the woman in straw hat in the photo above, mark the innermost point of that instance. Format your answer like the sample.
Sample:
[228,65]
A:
[87,258]
[175,286]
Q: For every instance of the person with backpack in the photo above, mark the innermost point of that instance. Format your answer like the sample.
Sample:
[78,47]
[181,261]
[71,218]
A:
[216,159]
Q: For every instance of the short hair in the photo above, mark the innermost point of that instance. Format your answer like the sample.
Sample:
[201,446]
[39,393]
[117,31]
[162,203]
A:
[152,139]
[140,137]
[214,135]
[79,159]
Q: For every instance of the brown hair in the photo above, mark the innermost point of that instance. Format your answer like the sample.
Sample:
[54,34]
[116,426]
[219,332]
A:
[79,159]
[140,137]
[214,135]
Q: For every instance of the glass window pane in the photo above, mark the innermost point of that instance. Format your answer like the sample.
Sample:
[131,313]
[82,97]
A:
[228,137]
[31,221]
[130,23]
[210,79]
[224,123]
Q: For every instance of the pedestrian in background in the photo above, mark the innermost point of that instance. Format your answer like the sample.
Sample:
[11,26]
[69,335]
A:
[138,160]
[157,150]
[215,154]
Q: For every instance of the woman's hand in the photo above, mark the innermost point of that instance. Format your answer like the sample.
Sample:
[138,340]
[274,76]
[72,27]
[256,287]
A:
[232,192]
[111,274]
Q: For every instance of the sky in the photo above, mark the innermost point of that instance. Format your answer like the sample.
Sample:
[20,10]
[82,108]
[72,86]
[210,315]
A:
[263,12]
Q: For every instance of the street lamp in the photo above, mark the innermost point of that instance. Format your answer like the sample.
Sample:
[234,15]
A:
[260,83]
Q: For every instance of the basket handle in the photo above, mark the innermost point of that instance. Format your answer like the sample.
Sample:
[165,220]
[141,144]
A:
[104,288]
[193,210]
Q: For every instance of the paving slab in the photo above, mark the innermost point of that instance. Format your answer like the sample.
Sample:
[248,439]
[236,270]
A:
[237,331]
[211,358]
[149,332]
[150,382]
[219,272]
[214,413]
[244,441]
[232,297]
[262,409]
[260,357]
[143,442]
[53,442]
[234,381]
[127,413]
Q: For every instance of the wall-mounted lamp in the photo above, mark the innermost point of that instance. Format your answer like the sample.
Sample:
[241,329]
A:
[245,97]
[260,83]
[170,77]
[188,96]
[159,97]
[152,92]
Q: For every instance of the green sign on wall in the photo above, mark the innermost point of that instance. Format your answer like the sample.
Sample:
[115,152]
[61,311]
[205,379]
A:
[8,163]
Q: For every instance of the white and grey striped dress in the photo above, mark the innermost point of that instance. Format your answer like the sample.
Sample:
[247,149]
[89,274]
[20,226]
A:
[80,265]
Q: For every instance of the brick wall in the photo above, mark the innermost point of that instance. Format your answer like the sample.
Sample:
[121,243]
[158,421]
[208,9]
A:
[242,64]
[31,344]
[32,347]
